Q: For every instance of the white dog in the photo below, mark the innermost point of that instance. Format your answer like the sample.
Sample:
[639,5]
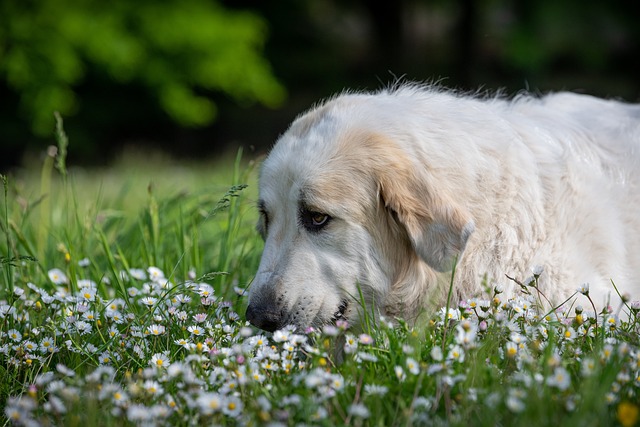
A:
[378,195]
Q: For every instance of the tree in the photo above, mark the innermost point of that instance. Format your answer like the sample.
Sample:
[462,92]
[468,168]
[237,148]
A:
[179,50]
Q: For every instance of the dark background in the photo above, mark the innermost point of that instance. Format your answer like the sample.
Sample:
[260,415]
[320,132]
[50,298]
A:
[316,48]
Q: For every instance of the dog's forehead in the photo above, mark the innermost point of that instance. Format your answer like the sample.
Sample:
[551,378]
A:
[299,157]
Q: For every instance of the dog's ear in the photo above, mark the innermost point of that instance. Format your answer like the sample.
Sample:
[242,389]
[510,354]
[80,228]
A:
[437,226]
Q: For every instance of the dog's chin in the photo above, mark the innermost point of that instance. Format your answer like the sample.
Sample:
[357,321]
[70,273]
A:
[339,315]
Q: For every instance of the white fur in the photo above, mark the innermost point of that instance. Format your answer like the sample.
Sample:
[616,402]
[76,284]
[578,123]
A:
[415,177]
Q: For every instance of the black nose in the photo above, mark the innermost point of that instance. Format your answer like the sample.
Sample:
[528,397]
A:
[263,319]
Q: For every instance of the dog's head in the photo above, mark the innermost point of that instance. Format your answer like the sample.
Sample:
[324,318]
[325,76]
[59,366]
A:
[343,212]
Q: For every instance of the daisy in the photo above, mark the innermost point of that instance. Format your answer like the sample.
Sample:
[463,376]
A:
[14,335]
[183,343]
[351,344]
[560,379]
[400,375]
[359,410]
[374,389]
[47,345]
[365,339]
[58,277]
[584,289]
[153,387]
[511,349]
[195,330]
[205,290]
[160,360]
[83,327]
[138,273]
[89,316]
[232,406]
[156,330]
[155,274]
[413,366]
[104,358]
[86,283]
[199,317]
[208,403]
[149,301]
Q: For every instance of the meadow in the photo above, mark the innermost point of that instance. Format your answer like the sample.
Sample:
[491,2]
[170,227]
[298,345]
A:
[122,298]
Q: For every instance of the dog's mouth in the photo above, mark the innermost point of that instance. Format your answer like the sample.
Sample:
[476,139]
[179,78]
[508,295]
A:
[340,313]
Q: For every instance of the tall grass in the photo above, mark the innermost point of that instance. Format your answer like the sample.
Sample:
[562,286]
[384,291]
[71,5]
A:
[122,298]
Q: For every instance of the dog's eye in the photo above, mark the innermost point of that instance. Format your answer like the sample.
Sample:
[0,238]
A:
[314,221]
[263,224]
[318,219]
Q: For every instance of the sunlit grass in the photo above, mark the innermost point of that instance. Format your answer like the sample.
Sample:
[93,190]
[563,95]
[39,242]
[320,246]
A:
[125,306]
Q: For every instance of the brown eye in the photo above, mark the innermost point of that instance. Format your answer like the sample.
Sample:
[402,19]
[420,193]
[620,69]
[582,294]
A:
[313,221]
[318,219]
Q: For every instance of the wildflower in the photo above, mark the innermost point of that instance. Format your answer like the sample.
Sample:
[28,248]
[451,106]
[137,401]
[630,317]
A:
[584,289]
[359,410]
[156,330]
[153,387]
[537,270]
[450,314]
[511,349]
[160,360]
[436,354]
[362,356]
[205,290]
[58,277]
[30,346]
[413,366]
[138,273]
[209,403]
[14,335]
[350,344]
[148,301]
[89,316]
[86,283]
[47,345]
[281,335]
[64,370]
[183,343]
[560,379]
[627,414]
[569,334]
[456,353]
[199,317]
[155,274]
[83,327]
[233,406]
[330,331]
[365,339]
[195,330]
[514,400]
[400,375]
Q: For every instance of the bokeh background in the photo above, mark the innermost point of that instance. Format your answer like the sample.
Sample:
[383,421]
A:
[198,78]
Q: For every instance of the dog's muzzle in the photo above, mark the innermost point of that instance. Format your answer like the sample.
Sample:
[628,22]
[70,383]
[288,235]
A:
[267,320]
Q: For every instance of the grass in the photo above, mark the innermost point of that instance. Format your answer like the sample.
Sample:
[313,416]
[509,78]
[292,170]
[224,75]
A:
[122,303]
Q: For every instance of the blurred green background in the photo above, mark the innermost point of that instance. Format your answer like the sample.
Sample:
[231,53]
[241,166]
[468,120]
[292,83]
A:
[197,78]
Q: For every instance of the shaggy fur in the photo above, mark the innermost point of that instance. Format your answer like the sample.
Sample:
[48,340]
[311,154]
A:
[414,178]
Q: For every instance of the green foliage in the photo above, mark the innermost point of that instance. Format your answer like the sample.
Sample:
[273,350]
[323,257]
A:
[179,50]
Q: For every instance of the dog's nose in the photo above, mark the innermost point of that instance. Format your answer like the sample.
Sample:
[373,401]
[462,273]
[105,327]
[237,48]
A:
[263,319]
